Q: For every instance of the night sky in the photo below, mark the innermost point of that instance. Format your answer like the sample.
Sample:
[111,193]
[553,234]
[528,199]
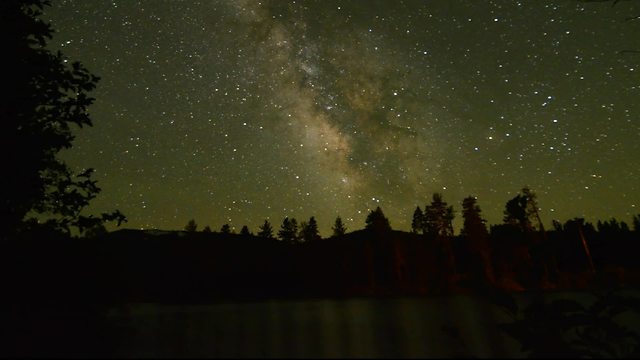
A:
[240,111]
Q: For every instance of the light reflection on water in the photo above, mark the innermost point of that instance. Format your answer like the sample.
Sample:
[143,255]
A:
[394,327]
[436,326]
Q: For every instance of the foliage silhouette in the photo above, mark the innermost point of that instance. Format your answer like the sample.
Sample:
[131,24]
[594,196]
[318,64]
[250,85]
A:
[474,224]
[191,226]
[338,227]
[438,227]
[474,232]
[417,223]
[522,211]
[245,231]
[288,230]
[266,231]
[309,230]
[438,218]
[564,327]
[46,98]
[377,222]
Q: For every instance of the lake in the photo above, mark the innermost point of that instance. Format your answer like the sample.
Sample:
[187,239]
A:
[453,326]
[402,327]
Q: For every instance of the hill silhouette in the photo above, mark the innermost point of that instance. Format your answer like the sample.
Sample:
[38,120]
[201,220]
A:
[194,267]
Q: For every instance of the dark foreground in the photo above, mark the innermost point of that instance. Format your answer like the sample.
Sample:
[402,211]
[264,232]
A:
[434,326]
[224,296]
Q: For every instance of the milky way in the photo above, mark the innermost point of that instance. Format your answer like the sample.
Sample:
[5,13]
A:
[240,111]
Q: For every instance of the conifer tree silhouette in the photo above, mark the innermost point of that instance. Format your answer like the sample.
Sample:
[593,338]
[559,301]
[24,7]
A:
[377,222]
[417,223]
[288,230]
[266,231]
[191,226]
[338,227]
[309,230]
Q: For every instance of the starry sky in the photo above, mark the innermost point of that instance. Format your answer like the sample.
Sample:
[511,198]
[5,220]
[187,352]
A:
[237,111]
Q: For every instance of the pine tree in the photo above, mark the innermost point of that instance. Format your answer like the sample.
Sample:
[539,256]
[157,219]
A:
[303,227]
[245,231]
[417,224]
[438,217]
[288,230]
[266,231]
[225,229]
[207,229]
[377,222]
[474,226]
[294,230]
[309,230]
[191,226]
[338,228]
[474,231]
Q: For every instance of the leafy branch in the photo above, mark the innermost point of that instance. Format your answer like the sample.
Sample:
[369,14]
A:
[567,328]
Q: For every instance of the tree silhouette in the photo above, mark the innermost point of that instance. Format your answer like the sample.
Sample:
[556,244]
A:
[288,230]
[522,211]
[377,222]
[266,231]
[473,225]
[567,328]
[417,224]
[438,217]
[225,229]
[338,227]
[191,226]
[294,229]
[612,228]
[438,224]
[245,231]
[44,98]
[579,228]
[309,230]
[515,212]
[207,229]
[474,231]
[95,231]
[557,225]
[532,209]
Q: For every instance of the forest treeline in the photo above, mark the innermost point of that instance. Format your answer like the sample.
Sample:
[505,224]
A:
[200,266]
[517,254]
